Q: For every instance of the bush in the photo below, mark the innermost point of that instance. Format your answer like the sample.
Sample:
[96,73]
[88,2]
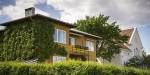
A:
[139,62]
[135,62]
[67,68]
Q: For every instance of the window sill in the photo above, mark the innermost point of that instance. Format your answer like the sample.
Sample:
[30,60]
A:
[59,43]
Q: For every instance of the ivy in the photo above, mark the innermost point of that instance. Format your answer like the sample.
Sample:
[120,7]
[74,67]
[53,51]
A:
[27,39]
[59,50]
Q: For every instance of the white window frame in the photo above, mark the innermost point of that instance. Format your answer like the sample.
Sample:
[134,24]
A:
[63,40]
[58,58]
[91,43]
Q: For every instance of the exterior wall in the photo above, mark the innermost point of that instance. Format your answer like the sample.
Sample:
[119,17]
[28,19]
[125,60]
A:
[92,54]
[121,58]
[81,40]
[65,28]
[136,45]
[116,60]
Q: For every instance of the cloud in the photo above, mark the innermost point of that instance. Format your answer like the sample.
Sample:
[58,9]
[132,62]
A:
[71,9]
[128,13]
[49,9]
[17,11]
[125,12]
[6,3]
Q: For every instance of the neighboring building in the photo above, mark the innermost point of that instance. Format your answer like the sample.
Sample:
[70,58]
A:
[132,48]
[79,45]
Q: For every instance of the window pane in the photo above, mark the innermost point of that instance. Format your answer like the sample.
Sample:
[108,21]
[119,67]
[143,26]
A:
[55,35]
[58,58]
[61,36]
[72,41]
[90,45]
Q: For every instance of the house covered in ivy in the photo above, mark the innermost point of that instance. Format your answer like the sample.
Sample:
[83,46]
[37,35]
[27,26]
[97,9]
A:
[43,38]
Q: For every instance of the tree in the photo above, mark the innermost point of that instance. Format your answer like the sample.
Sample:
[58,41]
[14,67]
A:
[147,61]
[139,62]
[111,40]
[136,62]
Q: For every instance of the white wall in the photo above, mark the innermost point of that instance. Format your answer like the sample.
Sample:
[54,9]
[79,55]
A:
[121,58]
[136,44]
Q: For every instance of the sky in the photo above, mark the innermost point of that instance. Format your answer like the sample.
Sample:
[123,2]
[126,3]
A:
[127,13]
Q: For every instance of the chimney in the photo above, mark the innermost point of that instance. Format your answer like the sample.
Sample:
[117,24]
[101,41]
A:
[30,11]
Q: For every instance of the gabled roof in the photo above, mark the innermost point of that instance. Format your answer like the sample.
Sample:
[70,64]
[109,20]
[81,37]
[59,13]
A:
[40,16]
[127,32]
[84,33]
[125,47]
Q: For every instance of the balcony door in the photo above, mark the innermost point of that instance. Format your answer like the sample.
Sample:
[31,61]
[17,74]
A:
[72,41]
[90,45]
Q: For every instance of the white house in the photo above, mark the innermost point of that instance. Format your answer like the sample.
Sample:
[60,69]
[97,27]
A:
[132,48]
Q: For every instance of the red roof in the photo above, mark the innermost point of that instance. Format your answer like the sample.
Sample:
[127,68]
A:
[125,47]
[127,32]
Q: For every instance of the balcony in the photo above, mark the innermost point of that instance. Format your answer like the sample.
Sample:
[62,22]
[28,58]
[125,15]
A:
[78,52]
[77,49]
[82,53]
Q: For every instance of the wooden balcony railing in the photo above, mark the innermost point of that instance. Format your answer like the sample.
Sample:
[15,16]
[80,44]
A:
[77,49]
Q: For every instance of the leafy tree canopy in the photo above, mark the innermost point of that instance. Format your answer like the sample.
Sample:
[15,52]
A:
[111,40]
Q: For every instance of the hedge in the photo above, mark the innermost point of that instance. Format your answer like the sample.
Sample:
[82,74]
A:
[67,68]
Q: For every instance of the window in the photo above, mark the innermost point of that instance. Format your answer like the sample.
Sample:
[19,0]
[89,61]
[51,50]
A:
[72,41]
[90,45]
[60,36]
[58,58]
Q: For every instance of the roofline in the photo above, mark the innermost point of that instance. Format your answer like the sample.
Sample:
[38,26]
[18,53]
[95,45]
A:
[65,23]
[125,46]
[139,36]
[85,33]
[132,35]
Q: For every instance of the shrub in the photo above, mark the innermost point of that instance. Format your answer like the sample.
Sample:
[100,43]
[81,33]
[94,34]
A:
[135,62]
[67,68]
[139,62]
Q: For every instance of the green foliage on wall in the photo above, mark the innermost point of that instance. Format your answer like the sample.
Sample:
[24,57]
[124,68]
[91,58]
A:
[1,39]
[67,68]
[59,50]
[27,39]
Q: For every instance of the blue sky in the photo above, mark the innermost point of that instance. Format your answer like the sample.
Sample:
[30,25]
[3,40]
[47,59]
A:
[128,13]
[145,37]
